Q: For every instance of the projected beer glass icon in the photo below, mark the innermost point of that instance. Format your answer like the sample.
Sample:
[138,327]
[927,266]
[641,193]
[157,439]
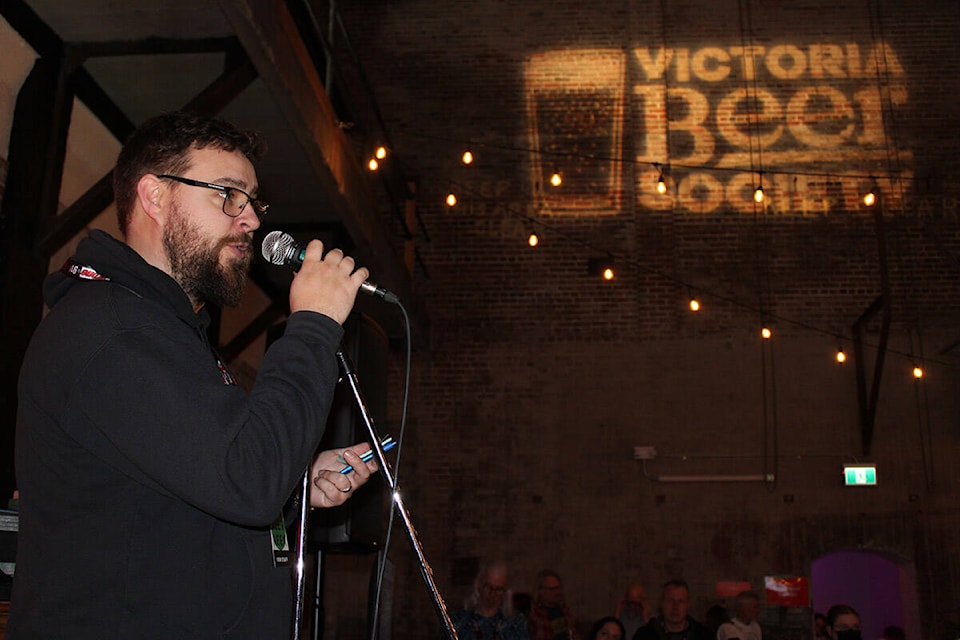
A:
[575,114]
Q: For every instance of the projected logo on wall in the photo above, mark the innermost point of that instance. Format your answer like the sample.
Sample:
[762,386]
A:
[809,122]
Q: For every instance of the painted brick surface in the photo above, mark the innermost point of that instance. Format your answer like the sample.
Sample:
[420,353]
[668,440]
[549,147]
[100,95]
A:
[540,379]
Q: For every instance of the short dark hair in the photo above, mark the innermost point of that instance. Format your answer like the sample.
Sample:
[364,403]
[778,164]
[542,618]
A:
[677,583]
[162,145]
[838,610]
[599,624]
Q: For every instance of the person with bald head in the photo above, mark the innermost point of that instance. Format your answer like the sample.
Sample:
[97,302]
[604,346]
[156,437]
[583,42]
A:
[674,621]
[633,610]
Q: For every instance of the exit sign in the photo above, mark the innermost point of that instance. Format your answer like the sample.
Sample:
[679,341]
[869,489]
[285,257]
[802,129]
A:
[860,475]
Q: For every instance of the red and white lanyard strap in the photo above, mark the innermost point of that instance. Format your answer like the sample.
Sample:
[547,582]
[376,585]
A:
[74,269]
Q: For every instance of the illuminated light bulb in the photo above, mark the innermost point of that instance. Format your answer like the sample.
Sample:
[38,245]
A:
[766,333]
[694,304]
[556,180]
[373,165]
[758,194]
[533,240]
[917,372]
[841,356]
[661,185]
[451,199]
[381,153]
[870,198]
[467,157]
[608,274]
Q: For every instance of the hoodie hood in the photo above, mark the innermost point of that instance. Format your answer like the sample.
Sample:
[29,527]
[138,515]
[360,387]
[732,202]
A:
[115,261]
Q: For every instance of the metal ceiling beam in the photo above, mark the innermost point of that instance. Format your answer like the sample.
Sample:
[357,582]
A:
[38,141]
[271,38]
[153,47]
[31,28]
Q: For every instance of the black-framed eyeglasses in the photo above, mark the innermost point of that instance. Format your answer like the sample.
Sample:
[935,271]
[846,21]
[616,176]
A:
[234,200]
[490,587]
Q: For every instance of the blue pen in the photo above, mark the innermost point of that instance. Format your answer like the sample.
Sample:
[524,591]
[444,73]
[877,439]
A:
[387,444]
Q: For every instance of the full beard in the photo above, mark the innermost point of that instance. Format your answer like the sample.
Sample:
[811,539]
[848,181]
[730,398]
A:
[195,265]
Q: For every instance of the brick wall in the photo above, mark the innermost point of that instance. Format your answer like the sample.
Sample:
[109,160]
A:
[540,379]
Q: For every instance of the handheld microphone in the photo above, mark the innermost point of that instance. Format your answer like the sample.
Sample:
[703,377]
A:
[281,249]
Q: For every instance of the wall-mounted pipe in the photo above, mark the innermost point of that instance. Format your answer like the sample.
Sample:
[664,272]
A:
[714,478]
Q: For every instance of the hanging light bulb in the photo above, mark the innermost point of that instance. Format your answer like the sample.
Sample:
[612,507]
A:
[765,333]
[870,197]
[467,157]
[602,267]
[533,240]
[381,153]
[451,199]
[661,184]
[917,372]
[758,192]
[694,304]
[373,165]
[556,179]
[841,356]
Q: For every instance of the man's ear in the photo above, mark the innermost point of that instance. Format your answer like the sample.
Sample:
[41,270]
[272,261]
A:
[151,196]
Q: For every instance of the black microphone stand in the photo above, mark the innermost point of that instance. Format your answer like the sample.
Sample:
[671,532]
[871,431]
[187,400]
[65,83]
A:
[347,374]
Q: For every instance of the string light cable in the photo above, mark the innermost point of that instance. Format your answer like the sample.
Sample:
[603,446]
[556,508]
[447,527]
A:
[703,293]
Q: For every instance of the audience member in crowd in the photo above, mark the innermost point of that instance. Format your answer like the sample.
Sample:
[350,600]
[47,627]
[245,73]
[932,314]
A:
[843,623]
[819,626]
[608,628]
[550,617]
[893,632]
[522,603]
[674,621]
[715,616]
[488,613]
[633,609]
[744,625]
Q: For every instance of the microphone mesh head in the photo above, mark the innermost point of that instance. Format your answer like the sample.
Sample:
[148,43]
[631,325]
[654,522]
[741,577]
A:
[277,247]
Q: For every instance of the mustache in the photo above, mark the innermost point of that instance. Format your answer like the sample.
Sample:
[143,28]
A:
[237,239]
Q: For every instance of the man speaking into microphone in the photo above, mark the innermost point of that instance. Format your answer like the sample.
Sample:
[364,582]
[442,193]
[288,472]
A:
[149,481]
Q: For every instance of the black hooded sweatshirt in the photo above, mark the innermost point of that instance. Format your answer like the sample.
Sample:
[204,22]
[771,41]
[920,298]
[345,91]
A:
[148,479]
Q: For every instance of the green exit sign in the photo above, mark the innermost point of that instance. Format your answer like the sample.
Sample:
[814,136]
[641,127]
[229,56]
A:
[860,475]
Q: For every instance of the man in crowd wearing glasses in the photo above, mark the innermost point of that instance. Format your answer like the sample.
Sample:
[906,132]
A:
[148,479]
[550,617]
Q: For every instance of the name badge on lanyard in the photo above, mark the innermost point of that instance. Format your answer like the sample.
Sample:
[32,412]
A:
[280,542]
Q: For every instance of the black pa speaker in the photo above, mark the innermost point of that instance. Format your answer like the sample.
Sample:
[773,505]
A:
[356,527]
